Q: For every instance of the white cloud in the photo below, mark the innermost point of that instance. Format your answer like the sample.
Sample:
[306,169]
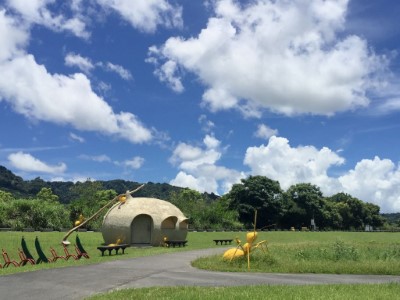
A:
[26,162]
[199,169]
[211,142]
[12,37]
[146,15]
[167,72]
[76,137]
[86,65]
[200,184]
[377,181]
[96,158]
[121,71]
[279,161]
[190,157]
[76,60]
[36,12]
[134,163]
[39,95]
[285,56]
[207,125]
[390,105]
[265,132]
[35,93]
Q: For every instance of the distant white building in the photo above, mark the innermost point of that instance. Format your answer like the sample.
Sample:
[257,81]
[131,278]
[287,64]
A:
[144,221]
[369,228]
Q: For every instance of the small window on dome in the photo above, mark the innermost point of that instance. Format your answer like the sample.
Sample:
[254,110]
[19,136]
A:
[184,224]
[169,223]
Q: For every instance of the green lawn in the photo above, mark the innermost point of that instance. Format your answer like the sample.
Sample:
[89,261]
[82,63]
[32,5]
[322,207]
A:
[306,292]
[11,241]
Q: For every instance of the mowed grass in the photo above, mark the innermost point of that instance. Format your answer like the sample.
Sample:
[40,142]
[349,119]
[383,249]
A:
[307,292]
[289,252]
[11,241]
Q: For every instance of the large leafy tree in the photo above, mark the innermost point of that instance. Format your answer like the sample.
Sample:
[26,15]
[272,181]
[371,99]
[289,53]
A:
[306,202]
[257,193]
[372,216]
[351,209]
[355,213]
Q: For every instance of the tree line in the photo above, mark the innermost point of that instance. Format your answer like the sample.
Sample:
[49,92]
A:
[302,205]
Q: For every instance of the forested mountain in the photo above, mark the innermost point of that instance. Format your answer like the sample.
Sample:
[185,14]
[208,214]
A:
[12,183]
[301,206]
[15,185]
[393,218]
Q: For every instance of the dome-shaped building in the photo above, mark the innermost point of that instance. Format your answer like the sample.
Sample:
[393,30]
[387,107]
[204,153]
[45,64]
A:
[144,221]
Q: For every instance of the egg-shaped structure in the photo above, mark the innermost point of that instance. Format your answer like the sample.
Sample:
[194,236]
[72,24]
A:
[144,221]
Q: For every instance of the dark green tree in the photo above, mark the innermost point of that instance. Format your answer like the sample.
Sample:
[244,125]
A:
[372,216]
[308,204]
[351,210]
[257,193]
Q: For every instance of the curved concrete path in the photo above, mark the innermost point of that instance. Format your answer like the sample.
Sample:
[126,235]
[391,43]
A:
[171,269]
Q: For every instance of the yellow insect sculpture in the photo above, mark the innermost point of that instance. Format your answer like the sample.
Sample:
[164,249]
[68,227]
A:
[245,250]
[118,242]
[80,220]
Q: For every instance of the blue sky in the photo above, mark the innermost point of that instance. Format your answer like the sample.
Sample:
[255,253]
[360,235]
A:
[201,94]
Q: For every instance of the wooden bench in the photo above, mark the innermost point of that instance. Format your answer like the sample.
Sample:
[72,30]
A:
[176,243]
[226,241]
[111,248]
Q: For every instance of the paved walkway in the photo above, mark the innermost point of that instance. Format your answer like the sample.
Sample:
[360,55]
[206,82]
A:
[171,269]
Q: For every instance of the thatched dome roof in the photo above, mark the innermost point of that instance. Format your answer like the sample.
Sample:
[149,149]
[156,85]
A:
[159,210]
[125,220]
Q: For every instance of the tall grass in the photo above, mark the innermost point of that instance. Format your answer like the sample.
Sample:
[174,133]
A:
[313,252]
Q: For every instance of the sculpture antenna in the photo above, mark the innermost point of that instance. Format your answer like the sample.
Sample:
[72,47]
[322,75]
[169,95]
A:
[255,220]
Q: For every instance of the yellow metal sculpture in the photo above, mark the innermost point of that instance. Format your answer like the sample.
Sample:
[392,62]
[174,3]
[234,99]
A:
[245,250]
[118,242]
[80,220]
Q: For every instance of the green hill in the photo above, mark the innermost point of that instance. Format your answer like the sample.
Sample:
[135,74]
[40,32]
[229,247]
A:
[20,188]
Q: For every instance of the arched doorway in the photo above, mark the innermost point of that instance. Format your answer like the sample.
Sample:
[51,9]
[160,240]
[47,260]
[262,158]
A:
[141,229]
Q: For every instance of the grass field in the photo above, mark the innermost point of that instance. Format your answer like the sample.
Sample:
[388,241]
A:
[310,292]
[11,241]
[299,252]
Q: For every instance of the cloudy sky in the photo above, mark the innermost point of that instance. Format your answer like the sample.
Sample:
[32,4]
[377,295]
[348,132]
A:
[201,94]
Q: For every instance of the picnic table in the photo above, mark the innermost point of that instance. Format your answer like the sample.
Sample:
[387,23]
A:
[111,248]
[175,243]
[226,241]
